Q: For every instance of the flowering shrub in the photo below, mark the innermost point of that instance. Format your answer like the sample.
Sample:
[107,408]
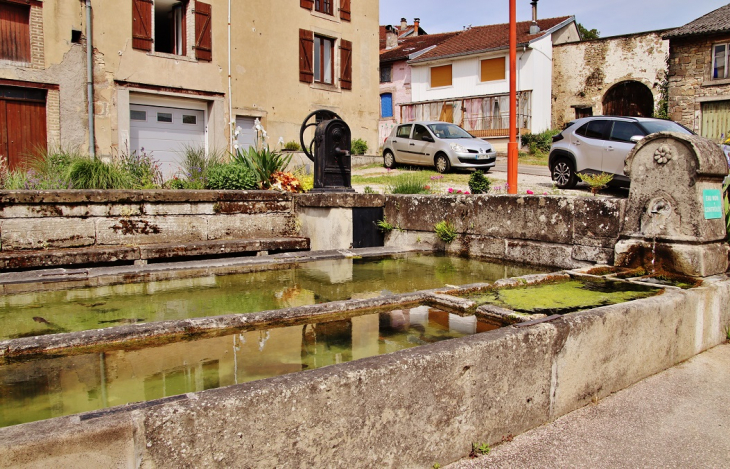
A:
[451,190]
[286,182]
[143,170]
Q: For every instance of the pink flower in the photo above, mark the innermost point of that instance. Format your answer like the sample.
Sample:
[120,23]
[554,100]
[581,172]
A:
[467,193]
[427,187]
[544,193]
[529,191]
[451,191]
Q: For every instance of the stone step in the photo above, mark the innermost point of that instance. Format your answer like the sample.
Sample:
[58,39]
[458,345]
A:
[21,260]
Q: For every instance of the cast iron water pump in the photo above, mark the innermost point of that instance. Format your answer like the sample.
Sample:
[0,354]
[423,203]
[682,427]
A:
[329,150]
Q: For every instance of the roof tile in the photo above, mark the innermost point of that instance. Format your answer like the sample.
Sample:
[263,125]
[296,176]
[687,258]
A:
[716,21]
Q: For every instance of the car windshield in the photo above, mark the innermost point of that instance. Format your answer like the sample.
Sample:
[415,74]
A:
[663,126]
[449,131]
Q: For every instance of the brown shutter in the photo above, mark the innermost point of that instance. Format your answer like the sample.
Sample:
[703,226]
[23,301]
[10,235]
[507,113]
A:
[306,56]
[203,34]
[345,65]
[142,24]
[308,4]
[345,10]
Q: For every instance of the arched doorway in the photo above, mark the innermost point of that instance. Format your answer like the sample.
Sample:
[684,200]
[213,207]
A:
[628,98]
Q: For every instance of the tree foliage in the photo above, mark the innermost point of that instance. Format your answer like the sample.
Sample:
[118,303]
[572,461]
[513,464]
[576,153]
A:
[588,34]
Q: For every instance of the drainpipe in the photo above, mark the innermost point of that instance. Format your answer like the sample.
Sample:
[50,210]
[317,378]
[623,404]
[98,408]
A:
[232,124]
[90,79]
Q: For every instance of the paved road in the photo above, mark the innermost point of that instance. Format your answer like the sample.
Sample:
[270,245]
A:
[501,167]
[679,418]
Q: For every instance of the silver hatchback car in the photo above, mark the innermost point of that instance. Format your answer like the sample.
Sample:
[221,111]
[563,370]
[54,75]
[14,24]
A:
[438,144]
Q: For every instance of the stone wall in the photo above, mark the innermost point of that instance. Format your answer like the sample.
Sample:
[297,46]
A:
[565,232]
[72,219]
[584,71]
[690,79]
[406,409]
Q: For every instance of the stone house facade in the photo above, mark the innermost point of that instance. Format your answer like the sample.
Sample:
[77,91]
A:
[619,75]
[172,73]
[699,83]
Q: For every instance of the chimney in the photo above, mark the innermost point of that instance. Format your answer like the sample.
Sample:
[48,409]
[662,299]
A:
[403,25]
[391,37]
[416,25]
[534,28]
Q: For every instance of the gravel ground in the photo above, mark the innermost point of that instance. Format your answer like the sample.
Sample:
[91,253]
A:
[539,185]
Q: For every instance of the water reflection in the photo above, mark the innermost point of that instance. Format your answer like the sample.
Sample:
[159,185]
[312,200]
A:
[53,387]
[32,314]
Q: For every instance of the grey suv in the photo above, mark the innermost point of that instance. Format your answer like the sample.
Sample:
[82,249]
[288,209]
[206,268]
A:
[438,144]
[600,144]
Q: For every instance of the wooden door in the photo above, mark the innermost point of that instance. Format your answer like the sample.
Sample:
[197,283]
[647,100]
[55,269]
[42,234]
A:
[22,126]
[716,120]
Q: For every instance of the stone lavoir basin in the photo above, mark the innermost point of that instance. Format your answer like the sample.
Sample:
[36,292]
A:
[43,388]
[307,283]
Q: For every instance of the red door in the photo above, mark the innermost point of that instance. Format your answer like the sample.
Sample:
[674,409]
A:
[23,130]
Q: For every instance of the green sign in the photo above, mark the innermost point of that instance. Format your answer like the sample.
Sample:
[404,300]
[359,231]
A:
[712,200]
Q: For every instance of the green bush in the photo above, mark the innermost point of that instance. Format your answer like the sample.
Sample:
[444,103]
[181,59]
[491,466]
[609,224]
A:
[231,176]
[407,183]
[445,231]
[359,146]
[195,165]
[263,163]
[292,146]
[143,170]
[539,143]
[88,173]
[478,183]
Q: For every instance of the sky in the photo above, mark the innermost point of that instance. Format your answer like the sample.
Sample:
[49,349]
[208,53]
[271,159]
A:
[609,17]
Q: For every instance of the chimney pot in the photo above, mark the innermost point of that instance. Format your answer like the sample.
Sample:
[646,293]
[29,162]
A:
[534,28]
[416,25]
[403,24]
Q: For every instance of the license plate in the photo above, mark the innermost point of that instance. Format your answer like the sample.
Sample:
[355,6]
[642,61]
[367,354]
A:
[477,156]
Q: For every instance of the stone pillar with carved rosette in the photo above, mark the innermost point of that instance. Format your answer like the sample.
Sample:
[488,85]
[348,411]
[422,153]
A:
[672,216]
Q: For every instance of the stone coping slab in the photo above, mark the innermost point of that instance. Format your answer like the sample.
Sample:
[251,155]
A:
[134,196]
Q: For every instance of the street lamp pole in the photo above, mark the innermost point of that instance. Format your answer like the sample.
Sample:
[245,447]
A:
[512,145]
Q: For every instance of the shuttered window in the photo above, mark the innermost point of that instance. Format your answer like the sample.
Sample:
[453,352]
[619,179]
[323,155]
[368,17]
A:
[308,4]
[441,76]
[203,32]
[345,10]
[493,69]
[345,65]
[142,24]
[323,6]
[15,32]
[306,56]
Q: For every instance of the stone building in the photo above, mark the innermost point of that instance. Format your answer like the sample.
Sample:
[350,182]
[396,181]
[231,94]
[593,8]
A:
[168,73]
[699,82]
[618,75]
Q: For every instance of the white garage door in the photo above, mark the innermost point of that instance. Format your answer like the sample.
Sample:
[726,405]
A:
[164,132]
[247,135]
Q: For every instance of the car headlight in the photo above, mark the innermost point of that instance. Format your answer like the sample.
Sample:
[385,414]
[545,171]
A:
[458,148]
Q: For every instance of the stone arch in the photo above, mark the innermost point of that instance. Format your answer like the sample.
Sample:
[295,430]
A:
[628,98]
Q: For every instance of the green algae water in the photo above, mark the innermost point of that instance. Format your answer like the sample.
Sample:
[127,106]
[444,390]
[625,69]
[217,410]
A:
[53,387]
[50,312]
[564,297]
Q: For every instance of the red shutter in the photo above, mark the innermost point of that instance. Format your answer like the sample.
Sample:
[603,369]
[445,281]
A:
[345,65]
[345,10]
[308,4]
[203,34]
[306,56]
[142,24]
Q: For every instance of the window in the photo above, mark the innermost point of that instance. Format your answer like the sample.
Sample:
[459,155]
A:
[323,6]
[719,61]
[583,112]
[623,131]
[138,115]
[441,76]
[164,117]
[324,59]
[386,105]
[189,119]
[160,25]
[15,32]
[404,131]
[386,74]
[594,129]
[419,132]
[493,69]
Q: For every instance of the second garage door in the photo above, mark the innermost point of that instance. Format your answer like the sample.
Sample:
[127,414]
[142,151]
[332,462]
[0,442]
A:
[165,132]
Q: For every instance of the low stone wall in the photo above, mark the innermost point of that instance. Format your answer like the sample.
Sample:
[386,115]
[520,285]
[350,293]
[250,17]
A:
[407,409]
[80,218]
[567,232]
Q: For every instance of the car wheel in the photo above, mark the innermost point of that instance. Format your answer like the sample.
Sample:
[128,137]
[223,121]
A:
[388,160]
[563,174]
[442,163]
